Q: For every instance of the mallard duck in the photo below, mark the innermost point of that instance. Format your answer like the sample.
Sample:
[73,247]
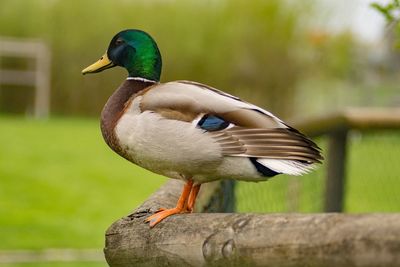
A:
[190,131]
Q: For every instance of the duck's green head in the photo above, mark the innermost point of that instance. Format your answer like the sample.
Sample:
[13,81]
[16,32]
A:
[134,50]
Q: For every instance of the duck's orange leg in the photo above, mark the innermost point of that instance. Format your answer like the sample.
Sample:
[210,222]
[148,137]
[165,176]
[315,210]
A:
[192,197]
[181,206]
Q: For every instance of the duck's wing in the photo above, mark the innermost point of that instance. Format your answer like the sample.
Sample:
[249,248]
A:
[240,128]
[193,98]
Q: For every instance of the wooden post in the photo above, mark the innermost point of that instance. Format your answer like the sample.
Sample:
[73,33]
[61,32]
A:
[42,82]
[222,198]
[335,180]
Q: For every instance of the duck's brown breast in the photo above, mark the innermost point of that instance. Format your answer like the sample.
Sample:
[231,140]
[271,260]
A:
[114,109]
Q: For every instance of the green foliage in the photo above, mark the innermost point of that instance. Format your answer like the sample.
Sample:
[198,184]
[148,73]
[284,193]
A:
[259,50]
[333,57]
[238,46]
[389,10]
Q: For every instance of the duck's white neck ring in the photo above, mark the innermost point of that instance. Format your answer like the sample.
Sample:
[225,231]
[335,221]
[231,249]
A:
[140,79]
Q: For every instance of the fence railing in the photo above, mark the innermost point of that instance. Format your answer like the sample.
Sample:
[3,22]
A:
[289,239]
[39,78]
[336,127]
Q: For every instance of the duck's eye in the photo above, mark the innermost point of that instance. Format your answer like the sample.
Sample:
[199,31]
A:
[119,42]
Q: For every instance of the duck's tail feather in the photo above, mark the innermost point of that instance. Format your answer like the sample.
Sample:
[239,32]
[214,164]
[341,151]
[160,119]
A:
[271,167]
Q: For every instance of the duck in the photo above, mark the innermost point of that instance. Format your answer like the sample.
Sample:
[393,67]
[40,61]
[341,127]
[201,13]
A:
[190,131]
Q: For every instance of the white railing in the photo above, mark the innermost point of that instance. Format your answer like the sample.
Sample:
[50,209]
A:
[39,78]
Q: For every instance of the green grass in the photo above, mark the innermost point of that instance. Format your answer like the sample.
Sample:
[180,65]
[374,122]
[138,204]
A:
[57,264]
[373,181]
[61,186]
[374,173]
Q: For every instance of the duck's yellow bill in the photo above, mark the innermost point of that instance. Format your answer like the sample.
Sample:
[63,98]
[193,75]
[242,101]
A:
[100,65]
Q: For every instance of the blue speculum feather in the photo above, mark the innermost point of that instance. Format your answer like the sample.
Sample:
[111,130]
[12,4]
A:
[212,123]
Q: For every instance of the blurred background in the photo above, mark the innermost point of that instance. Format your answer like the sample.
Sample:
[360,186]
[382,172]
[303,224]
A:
[60,185]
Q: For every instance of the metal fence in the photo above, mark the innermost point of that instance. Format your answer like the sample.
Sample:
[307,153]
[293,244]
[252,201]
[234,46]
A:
[361,171]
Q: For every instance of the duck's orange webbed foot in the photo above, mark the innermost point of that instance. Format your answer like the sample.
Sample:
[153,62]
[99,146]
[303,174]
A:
[181,206]
[161,215]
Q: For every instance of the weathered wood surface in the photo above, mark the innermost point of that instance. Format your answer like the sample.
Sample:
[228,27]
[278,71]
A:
[226,239]
[351,118]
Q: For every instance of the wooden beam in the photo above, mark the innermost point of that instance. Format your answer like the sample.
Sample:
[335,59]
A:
[20,47]
[227,239]
[17,77]
[352,118]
